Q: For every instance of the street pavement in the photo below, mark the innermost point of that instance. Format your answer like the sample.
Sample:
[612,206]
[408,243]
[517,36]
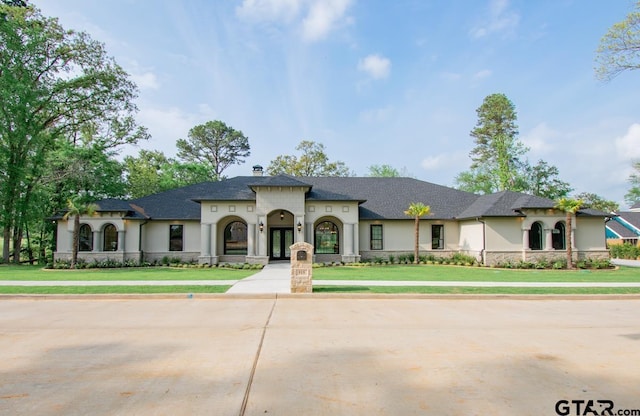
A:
[316,355]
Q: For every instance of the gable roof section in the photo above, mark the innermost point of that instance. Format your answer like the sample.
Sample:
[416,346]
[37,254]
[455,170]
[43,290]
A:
[504,204]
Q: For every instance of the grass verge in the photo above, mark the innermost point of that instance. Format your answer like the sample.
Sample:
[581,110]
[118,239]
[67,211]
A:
[92,290]
[479,290]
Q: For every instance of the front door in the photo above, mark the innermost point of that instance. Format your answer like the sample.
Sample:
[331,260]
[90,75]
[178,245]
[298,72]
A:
[281,240]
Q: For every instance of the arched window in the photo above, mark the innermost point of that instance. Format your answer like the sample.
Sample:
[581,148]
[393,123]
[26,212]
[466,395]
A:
[235,238]
[535,236]
[558,237]
[86,238]
[110,238]
[327,238]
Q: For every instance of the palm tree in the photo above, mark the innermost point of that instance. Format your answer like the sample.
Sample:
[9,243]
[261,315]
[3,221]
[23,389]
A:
[417,210]
[76,209]
[570,207]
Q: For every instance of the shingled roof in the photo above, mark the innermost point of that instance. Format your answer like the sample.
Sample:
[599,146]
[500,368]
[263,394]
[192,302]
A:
[378,198]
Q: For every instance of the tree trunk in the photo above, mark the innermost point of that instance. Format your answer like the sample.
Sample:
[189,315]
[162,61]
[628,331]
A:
[6,238]
[568,232]
[17,244]
[416,249]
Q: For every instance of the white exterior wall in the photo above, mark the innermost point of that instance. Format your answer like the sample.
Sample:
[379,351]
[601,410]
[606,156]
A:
[590,234]
[504,234]
[127,243]
[155,236]
[471,236]
[398,237]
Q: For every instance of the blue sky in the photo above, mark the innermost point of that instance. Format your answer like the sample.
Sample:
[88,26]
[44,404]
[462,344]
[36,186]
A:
[377,82]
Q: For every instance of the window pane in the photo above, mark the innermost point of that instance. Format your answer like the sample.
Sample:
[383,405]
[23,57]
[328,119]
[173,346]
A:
[176,237]
[376,237]
[437,237]
[86,238]
[535,236]
[327,241]
[235,238]
[110,238]
[557,237]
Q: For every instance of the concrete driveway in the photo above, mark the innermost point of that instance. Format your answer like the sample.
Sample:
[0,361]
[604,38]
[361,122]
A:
[311,355]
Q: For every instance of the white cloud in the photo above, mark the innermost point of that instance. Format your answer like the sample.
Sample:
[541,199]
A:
[376,66]
[146,81]
[540,139]
[445,161]
[628,146]
[322,18]
[167,125]
[499,19]
[314,18]
[269,10]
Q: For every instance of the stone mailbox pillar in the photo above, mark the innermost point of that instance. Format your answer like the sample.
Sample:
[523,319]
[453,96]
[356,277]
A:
[301,267]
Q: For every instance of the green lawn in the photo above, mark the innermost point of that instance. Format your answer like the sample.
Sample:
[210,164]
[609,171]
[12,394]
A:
[471,274]
[479,290]
[91,290]
[10,272]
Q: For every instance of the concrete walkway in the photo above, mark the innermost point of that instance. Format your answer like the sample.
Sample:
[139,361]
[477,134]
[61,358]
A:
[273,278]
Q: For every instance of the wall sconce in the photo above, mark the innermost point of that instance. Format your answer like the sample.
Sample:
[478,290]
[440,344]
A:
[299,226]
[281,215]
[261,226]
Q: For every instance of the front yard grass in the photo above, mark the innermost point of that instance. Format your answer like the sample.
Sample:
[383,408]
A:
[11,272]
[479,290]
[92,290]
[473,274]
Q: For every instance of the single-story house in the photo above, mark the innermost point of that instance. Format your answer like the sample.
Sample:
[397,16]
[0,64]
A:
[256,219]
[625,226]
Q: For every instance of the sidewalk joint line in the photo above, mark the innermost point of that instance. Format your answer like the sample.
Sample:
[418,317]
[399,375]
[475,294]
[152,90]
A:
[245,400]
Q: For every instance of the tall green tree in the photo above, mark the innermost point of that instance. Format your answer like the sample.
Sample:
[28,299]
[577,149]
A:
[216,146]
[152,172]
[498,158]
[633,196]
[594,201]
[543,180]
[619,48]
[497,148]
[312,162]
[570,207]
[76,209]
[417,210]
[54,85]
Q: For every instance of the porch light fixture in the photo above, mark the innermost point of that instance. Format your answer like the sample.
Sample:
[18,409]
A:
[261,225]
[299,226]
[281,215]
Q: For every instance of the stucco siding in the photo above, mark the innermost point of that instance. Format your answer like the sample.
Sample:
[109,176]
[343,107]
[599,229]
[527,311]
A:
[156,236]
[504,234]
[590,234]
[471,237]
